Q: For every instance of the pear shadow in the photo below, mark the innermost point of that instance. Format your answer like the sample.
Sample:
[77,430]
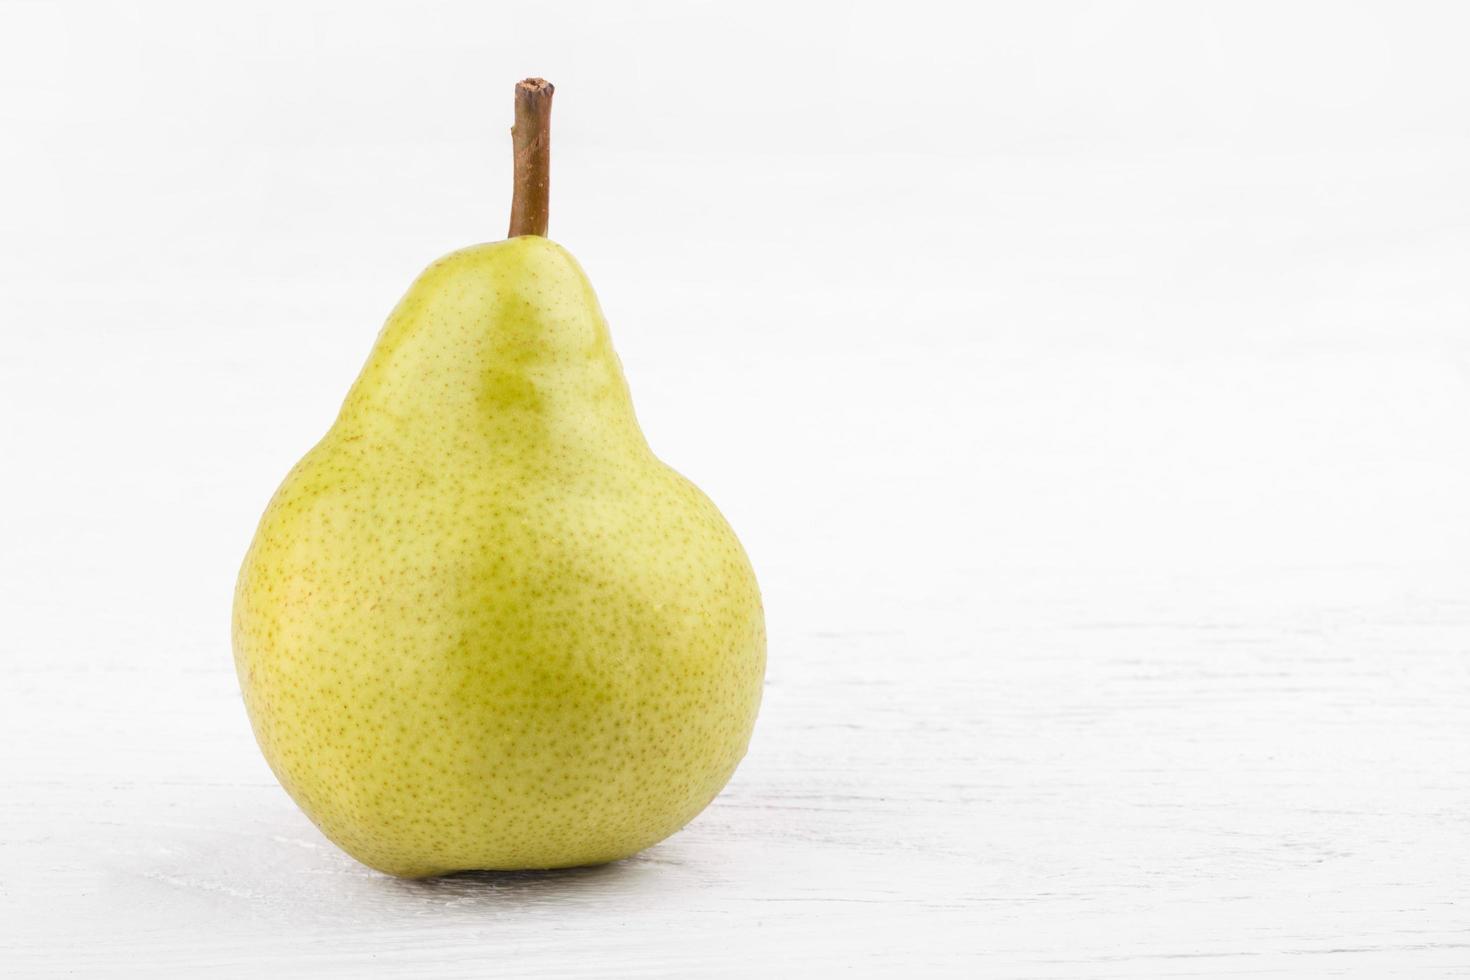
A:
[494,887]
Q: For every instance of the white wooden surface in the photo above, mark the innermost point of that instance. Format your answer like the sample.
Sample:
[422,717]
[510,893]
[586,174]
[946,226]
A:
[967,761]
[1113,518]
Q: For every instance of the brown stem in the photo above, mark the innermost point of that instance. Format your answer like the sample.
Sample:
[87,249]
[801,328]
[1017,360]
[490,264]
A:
[531,138]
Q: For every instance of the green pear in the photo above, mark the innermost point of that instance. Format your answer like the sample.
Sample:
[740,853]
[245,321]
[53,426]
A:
[481,625]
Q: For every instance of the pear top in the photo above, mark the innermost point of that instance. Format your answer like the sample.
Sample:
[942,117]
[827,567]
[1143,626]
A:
[502,343]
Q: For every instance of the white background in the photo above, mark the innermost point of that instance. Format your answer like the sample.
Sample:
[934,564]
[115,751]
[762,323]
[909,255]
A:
[1087,381]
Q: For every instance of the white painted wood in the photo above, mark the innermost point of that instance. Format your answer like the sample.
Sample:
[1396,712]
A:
[1112,517]
[972,765]
[1220,782]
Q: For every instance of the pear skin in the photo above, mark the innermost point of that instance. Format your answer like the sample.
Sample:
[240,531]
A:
[481,625]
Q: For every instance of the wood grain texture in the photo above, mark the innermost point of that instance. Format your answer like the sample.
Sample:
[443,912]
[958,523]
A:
[1223,788]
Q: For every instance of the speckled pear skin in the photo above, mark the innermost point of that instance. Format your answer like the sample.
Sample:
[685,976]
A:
[480,625]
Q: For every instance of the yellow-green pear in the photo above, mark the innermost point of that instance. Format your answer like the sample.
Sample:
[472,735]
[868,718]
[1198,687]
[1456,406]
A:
[481,625]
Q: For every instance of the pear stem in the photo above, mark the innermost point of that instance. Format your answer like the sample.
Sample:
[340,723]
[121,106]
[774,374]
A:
[531,139]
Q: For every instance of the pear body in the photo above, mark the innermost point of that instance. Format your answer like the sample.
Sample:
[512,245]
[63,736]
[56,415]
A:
[481,625]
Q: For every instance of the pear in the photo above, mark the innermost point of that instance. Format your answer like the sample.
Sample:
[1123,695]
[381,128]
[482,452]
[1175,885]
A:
[481,625]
